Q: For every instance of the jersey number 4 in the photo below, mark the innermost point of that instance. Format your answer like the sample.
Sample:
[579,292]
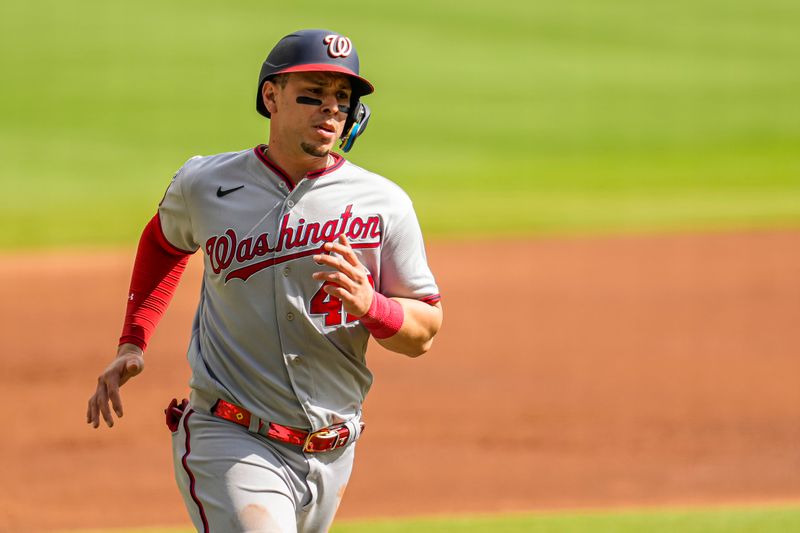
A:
[323,303]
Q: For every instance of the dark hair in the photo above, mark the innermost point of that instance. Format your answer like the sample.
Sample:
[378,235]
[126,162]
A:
[280,80]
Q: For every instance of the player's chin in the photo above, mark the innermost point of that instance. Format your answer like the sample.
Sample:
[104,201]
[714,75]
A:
[317,149]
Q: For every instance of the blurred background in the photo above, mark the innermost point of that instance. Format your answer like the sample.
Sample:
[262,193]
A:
[520,117]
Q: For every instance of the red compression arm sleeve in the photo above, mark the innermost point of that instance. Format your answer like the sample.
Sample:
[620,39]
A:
[156,273]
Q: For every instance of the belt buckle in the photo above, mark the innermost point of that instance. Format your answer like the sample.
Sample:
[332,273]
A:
[324,433]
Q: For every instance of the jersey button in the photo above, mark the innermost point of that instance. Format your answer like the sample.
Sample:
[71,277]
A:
[289,316]
[290,203]
[286,272]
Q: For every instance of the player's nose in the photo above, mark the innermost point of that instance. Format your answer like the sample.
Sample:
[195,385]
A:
[330,104]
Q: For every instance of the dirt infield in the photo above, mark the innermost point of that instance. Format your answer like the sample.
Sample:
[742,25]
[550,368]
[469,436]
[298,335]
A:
[569,373]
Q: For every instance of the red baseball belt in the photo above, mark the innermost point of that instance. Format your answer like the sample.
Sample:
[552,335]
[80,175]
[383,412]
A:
[324,440]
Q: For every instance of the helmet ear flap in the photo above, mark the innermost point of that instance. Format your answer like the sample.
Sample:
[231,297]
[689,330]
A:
[355,125]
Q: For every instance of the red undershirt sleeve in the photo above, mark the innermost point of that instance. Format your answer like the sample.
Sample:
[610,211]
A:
[156,272]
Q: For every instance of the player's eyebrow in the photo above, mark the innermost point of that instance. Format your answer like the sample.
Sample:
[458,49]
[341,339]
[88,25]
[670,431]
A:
[317,79]
[327,81]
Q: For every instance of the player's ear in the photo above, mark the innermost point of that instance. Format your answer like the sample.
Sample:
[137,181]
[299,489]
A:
[268,95]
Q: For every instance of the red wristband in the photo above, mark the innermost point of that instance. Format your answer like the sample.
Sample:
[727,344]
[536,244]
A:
[384,318]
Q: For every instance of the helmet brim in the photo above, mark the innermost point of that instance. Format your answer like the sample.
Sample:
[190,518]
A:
[360,85]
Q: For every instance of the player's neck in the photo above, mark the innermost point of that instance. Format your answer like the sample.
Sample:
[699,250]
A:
[296,166]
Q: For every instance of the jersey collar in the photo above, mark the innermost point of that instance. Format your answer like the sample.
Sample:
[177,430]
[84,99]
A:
[260,152]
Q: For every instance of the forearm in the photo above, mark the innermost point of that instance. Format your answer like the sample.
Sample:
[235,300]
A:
[125,349]
[421,323]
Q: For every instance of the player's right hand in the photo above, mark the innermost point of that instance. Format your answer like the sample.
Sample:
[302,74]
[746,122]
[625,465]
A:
[128,363]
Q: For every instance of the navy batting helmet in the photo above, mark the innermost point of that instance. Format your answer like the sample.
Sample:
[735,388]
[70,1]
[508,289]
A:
[313,51]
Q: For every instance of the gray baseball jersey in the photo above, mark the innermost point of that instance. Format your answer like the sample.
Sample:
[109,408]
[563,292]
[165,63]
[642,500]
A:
[266,336]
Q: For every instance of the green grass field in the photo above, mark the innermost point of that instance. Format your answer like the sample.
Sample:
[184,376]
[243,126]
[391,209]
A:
[514,118]
[723,520]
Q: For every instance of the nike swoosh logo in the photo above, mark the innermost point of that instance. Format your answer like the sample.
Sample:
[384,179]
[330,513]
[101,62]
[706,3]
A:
[221,193]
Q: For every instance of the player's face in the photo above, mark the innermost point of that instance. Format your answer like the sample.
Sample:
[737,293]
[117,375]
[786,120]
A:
[307,126]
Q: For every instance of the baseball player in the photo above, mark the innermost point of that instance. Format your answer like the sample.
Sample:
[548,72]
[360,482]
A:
[305,256]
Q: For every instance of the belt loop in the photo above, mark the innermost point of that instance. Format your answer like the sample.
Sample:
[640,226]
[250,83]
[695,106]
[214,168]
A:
[255,424]
[354,425]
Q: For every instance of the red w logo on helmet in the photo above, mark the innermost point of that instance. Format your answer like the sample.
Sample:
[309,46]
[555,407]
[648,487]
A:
[338,46]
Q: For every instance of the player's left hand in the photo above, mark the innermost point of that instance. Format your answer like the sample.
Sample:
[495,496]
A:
[349,282]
